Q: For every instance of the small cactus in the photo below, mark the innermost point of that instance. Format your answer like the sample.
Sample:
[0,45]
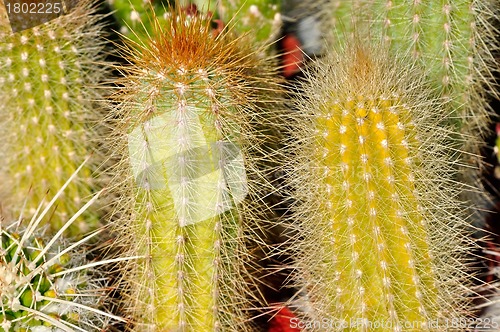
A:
[380,236]
[190,124]
[48,82]
[46,284]
[133,16]
[261,18]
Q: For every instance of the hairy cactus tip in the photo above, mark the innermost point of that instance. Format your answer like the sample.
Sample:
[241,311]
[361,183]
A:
[49,88]
[455,41]
[380,234]
[46,283]
[191,123]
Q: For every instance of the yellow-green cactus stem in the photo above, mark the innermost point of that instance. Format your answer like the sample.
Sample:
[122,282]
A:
[455,39]
[49,78]
[46,283]
[186,128]
[382,237]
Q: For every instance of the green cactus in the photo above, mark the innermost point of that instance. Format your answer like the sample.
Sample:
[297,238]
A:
[46,284]
[133,16]
[48,81]
[188,104]
[382,236]
[260,18]
[454,40]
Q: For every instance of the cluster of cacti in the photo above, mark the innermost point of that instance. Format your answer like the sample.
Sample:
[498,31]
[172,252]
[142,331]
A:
[193,135]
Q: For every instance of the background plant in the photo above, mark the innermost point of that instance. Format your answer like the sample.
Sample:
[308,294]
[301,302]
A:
[46,283]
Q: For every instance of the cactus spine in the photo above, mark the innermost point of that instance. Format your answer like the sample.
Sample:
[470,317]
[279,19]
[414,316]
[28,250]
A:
[382,237]
[48,78]
[188,103]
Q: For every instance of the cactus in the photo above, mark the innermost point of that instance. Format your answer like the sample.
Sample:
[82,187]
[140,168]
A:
[46,284]
[259,18]
[190,125]
[454,40]
[372,167]
[48,82]
[133,16]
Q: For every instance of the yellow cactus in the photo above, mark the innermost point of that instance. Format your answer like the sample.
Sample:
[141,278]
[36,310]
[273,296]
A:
[382,236]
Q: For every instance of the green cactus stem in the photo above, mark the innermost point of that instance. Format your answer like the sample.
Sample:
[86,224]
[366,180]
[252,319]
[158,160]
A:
[188,105]
[382,239]
[48,81]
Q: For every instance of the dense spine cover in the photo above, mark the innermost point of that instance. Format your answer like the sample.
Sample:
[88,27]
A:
[190,121]
[454,40]
[381,235]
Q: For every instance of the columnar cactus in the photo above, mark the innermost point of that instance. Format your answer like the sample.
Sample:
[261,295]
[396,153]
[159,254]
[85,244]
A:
[48,81]
[381,230]
[46,284]
[190,124]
